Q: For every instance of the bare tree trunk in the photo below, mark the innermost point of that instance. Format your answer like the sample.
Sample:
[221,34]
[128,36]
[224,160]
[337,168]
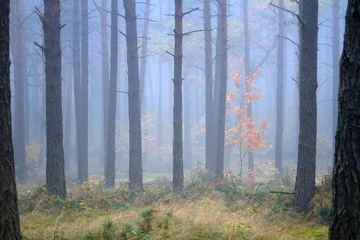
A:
[77,76]
[135,149]
[280,92]
[144,50]
[305,178]
[221,112]
[160,106]
[19,146]
[67,135]
[55,168]
[187,127]
[335,65]
[105,79]
[9,217]
[346,192]
[178,164]
[110,156]
[209,84]
[83,158]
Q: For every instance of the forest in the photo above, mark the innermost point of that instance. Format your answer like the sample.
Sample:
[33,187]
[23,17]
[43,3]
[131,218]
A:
[179,119]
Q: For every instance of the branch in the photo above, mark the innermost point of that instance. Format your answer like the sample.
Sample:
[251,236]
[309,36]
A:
[40,46]
[170,53]
[288,39]
[286,10]
[195,31]
[190,11]
[289,193]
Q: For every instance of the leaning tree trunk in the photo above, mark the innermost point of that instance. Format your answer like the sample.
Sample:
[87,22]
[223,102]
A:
[135,150]
[55,168]
[77,75]
[280,92]
[335,65]
[305,178]
[9,217]
[221,111]
[178,164]
[209,84]
[346,176]
[110,154]
[84,124]
[105,79]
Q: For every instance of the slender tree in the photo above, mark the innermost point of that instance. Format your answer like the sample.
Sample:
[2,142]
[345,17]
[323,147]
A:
[144,49]
[346,175]
[9,217]
[280,92]
[187,126]
[55,167]
[135,149]
[67,132]
[306,166]
[84,125]
[110,156]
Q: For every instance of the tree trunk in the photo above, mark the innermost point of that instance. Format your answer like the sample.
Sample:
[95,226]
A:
[335,65]
[110,156]
[9,217]
[222,29]
[160,106]
[19,144]
[187,127]
[280,92]
[209,84]
[55,172]
[178,164]
[77,75]
[305,178]
[84,124]
[135,150]
[105,79]
[346,176]
[67,135]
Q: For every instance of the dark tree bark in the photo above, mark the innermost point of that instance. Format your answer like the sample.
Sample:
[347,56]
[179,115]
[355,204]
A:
[84,124]
[221,111]
[77,75]
[110,156]
[280,92]
[209,84]
[178,164]
[19,143]
[248,72]
[105,79]
[335,64]
[55,168]
[305,178]
[67,132]
[9,217]
[135,150]
[346,175]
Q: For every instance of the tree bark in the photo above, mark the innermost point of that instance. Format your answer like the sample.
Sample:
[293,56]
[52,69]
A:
[209,84]
[178,164]
[67,132]
[9,217]
[135,149]
[280,92]
[84,124]
[105,79]
[305,178]
[110,156]
[55,168]
[187,127]
[346,175]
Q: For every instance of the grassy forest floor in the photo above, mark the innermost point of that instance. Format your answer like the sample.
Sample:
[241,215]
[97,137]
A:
[230,209]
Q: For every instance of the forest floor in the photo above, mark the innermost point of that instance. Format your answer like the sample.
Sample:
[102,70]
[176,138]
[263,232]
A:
[207,210]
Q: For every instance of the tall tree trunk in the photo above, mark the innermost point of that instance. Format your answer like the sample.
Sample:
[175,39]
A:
[187,127]
[144,50]
[110,156]
[135,150]
[221,111]
[77,76]
[83,158]
[9,217]
[19,144]
[55,168]
[160,106]
[67,135]
[346,176]
[178,164]
[335,65]
[105,80]
[248,72]
[280,92]
[43,124]
[209,84]
[305,178]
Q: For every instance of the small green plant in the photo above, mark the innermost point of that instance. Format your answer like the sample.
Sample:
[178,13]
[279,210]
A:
[240,231]
[108,231]
[145,223]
